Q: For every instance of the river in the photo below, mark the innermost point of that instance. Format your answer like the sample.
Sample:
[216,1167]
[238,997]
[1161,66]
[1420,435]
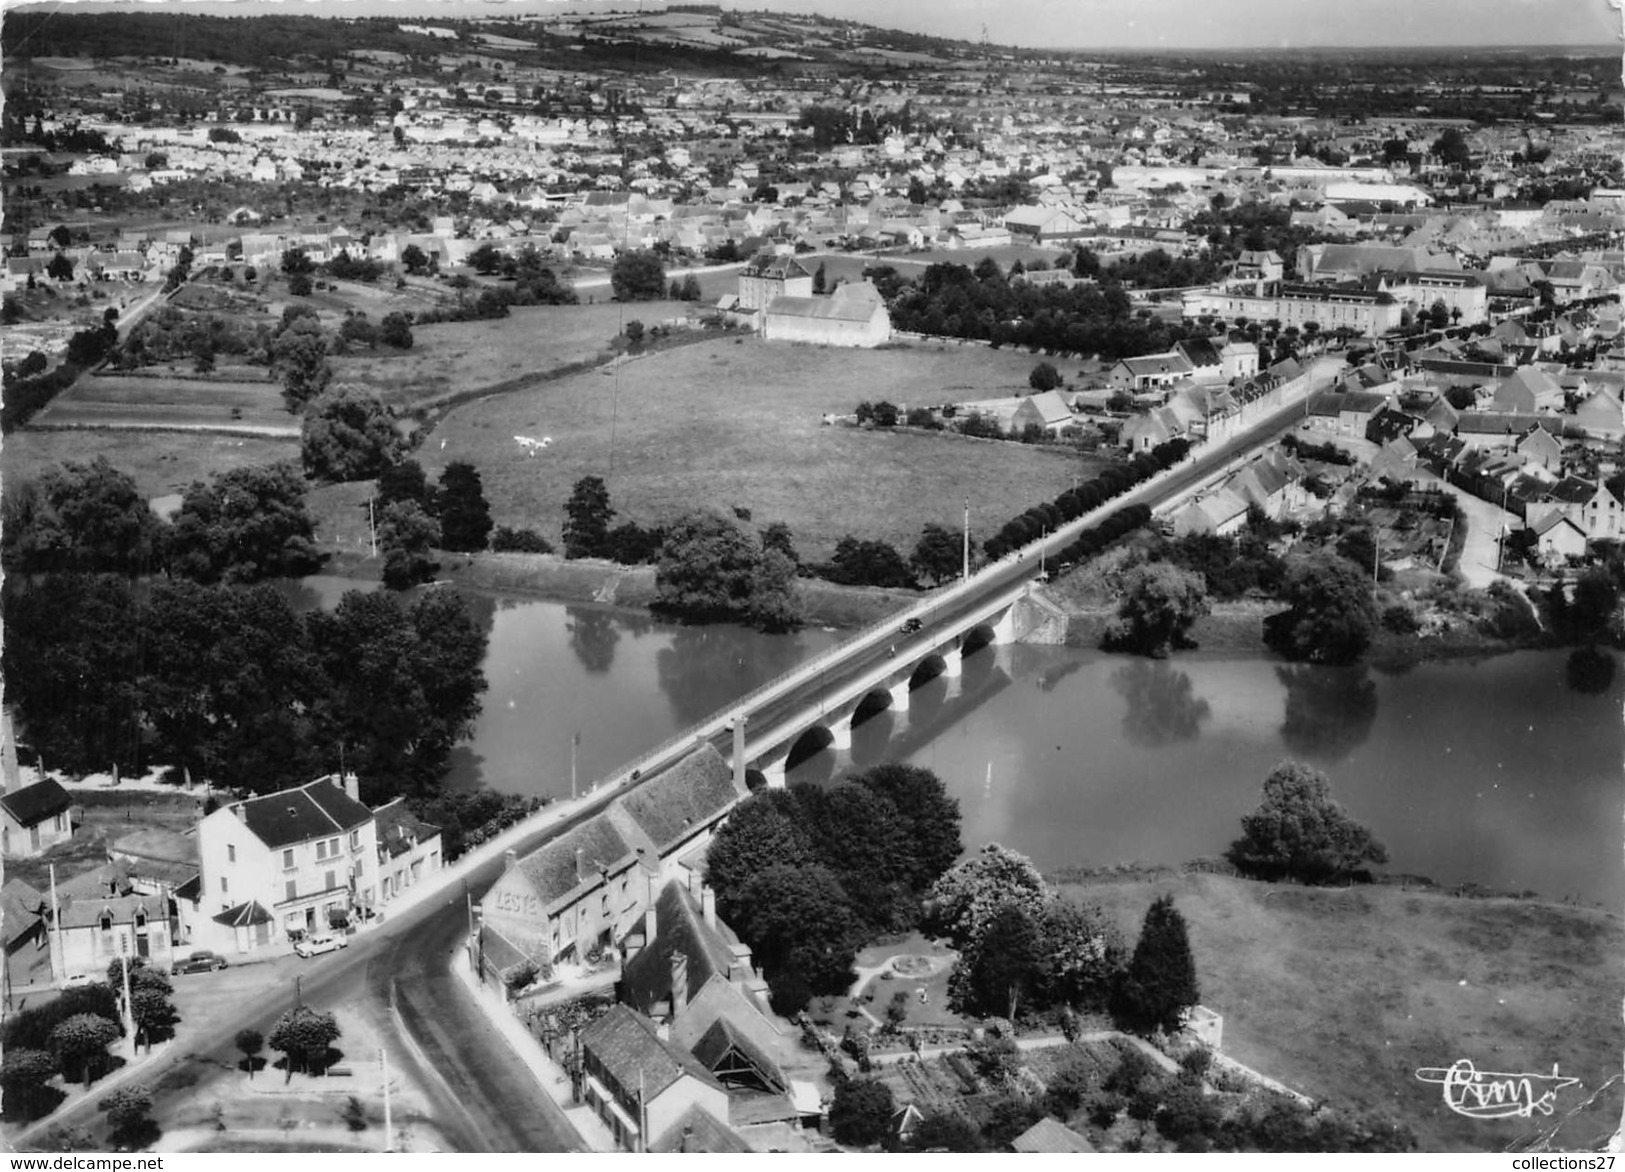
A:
[1488,771]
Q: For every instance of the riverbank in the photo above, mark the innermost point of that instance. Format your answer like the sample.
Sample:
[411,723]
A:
[550,578]
[1344,993]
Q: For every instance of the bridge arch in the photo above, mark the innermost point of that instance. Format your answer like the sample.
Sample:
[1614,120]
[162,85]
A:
[980,636]
[809,744]
[872,703]
[927,669]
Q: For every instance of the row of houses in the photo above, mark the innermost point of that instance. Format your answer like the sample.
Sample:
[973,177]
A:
[252,878]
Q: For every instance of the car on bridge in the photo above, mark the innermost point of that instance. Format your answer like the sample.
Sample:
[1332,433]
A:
[912,627]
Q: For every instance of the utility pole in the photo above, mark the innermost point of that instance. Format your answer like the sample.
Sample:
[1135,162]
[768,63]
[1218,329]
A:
[389,1127]
[129,1009]
[964,568]
[575,742]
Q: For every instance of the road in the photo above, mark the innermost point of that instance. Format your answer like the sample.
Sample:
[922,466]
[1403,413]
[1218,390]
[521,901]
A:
[484,1098]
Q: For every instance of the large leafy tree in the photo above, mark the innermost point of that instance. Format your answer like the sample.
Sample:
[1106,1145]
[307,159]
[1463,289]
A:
[764,829]
[800,925]
[24,1076]
[79,517]
[929,818]
[711,568]
[589,514]
[638,276]
[304,1035]
[347,434]
[228,682]
[299,358]
[72,655]
[707,568]
[244,525]
[1332,615]
[964,901]
[465,515]
[404,685]
[939,554]
[1160,985]
[1083,952]
[1003,968]
[868,563]
[1158,604]
[857,834]
[1299,832]
[861,1112]
[405,481]
[80,1043]
[407,533]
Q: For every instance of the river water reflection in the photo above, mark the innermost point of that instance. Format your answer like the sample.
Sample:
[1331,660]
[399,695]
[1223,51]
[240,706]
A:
[1494,772]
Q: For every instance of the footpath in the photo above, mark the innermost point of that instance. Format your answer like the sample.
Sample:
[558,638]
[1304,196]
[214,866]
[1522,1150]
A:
[550,1076]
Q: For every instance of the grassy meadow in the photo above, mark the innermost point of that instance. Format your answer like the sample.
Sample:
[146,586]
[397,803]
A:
[1344,994]
[735,422]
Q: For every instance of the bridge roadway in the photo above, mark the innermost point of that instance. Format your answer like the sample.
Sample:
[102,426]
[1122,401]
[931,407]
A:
[482,1097]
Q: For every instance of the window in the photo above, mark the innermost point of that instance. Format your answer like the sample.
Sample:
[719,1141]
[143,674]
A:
[321,851]
[355,840]
[292,888]
[223,885]
[287,860]
[359,863]
[330,884]
[333,848]
[231,853]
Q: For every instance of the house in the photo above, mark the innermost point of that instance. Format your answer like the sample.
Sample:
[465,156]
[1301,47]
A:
[588,888]
[647,1090]
[1050,1136]
[1528,389]
[34,819]
[1255,265]
[1223,512]
[1206,363]
[1542,449]
[1149,429]
[1046,410]
[1347,413]
[95,919]
[1558,538]
[770,275]
[1601,415]
[855,316]
[1149,372]
[408,849]
[302,860]
[1238,360]
[23,918]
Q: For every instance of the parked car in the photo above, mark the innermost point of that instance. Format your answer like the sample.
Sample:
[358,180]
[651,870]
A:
[202,961]
[316,945]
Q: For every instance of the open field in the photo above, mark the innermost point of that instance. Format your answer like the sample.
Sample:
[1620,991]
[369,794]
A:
[1344,993]
[160,462]
[531,340]
[117,401]
[736,423]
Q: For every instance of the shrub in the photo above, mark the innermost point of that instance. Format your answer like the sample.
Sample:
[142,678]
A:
[510,540]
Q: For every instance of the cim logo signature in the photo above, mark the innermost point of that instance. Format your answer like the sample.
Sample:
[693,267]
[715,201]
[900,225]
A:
[1492,1094]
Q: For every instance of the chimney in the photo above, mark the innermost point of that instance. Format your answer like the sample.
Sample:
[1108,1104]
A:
[352,786]
[739,971]
[679,983]
[708,905]
[650,923]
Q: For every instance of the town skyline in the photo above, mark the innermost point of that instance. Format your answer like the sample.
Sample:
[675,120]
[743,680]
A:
[1066,25]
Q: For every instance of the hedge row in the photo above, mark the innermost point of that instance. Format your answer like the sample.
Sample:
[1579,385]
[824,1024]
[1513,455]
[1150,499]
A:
[1075,502]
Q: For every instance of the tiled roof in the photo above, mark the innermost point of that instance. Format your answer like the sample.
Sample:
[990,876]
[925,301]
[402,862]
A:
[86,911]
[675,802]
[605,841]
[1052,1136]
[398,828]
[724,1036]
[33,804]
[853,302]
[298,815]
[680,928]
[625,1044]
[696,1130]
